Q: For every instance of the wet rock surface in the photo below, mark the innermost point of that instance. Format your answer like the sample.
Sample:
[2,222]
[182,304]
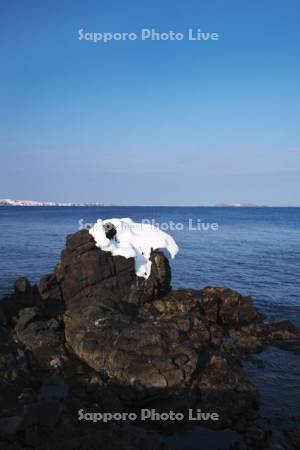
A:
[92,335]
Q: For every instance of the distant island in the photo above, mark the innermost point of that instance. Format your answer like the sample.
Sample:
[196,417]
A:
[239,205]
[10,202]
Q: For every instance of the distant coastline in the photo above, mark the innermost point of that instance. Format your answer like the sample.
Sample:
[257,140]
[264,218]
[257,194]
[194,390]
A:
[32,203]
[7,202]
[239,205]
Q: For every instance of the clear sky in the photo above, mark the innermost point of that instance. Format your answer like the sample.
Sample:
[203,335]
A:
[150,122]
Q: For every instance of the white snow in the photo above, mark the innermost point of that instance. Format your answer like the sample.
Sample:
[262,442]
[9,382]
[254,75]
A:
[133,240]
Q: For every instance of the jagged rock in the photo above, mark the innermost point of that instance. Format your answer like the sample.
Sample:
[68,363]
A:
[139,349]
[49,288]
[228,308]
[26,316]
[244,345]
[283,330]
[224,385]
[24,296]
[40,335]
[87,274]
[256,336]
[22,285]
[13,362]
[139,341]
[164,346]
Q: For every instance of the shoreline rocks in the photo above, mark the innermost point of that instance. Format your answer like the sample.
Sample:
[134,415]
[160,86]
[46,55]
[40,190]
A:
[131,342]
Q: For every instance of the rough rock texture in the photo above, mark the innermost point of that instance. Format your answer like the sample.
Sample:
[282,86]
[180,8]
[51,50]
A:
[227,307]
[35,324]
[87,274]
[167,347]
[121,343]
[40,334]
[13,362]
[49,288]
[24,296]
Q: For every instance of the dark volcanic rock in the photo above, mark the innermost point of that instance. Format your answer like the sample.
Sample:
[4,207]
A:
[138,334]
[225,389]
[228,308]
[129,343]
[24,296]
[42,335]
[87,274]
[13,361]
[167,347]
[36,324]
[283,330]
[22,285]
[49,288]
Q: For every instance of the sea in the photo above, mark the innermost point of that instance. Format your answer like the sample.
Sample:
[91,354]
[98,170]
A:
[253,250]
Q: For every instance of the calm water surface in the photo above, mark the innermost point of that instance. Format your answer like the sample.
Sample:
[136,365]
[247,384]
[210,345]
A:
[255,250]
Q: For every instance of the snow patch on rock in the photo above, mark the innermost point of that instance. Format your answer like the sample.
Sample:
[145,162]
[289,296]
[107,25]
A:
[133,240]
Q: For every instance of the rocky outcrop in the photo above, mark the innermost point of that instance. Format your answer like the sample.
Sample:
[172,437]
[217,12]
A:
[13,361]
[24,296]
[34,323]
[43,336]
[87,274]
[128,342]
[228,308]
[49,288]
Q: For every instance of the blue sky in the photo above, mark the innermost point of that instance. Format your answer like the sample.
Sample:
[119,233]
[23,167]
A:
[153,123]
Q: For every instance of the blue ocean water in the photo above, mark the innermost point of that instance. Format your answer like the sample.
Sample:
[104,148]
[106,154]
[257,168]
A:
[254,250]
